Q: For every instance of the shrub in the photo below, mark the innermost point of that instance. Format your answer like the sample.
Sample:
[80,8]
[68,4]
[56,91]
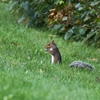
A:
[78,20]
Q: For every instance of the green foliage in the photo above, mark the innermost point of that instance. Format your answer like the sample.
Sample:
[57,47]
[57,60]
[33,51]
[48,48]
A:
[88,13]
[77,32]
[84,19]
[34,12]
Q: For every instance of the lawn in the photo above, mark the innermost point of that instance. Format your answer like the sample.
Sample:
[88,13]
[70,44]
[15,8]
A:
[26,72]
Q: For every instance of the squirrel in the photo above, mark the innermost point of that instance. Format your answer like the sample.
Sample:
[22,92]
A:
[56,56]
[54,52]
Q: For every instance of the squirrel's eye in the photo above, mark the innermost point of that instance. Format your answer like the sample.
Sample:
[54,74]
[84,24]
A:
[48,44]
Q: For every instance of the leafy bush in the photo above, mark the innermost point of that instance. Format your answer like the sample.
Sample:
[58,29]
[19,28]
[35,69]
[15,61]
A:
[78,20]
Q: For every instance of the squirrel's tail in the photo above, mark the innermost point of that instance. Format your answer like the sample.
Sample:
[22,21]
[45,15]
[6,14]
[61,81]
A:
[80,64]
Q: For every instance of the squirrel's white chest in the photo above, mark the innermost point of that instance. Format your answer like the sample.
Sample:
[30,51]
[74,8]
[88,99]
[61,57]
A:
[52,59]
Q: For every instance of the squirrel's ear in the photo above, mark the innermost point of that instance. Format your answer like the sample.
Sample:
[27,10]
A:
[52,41]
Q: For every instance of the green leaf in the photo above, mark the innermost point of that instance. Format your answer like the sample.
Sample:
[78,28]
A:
[78,5]
[61,2]
[95,3]
[25,5]
[64,18]
[97,20]
[56,2]
[79,30]
[22,18]
[12,4]
[80,8]
[56,27]
[68,34]
[91,33]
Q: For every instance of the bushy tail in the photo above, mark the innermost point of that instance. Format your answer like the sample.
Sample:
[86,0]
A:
[80,64]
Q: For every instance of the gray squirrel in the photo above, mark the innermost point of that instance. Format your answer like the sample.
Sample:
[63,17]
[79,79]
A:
[56,57]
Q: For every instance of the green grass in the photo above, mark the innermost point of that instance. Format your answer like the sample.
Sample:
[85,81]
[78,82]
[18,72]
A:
[26,72]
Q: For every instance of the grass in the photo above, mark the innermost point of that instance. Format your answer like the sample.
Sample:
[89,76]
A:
[26,72]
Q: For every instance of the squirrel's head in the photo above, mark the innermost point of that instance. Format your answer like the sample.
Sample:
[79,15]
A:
[50,47]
